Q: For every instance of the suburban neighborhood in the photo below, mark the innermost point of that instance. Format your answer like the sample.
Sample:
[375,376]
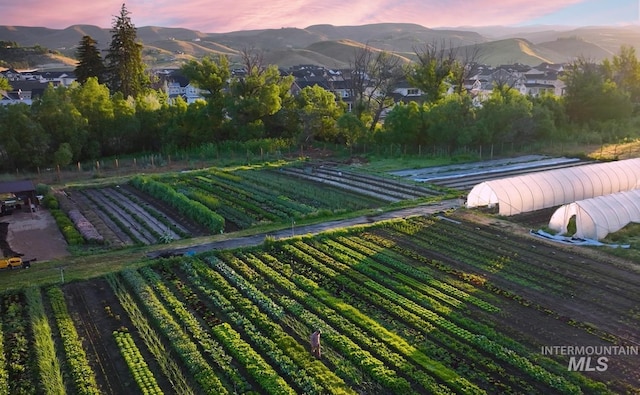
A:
[27,85]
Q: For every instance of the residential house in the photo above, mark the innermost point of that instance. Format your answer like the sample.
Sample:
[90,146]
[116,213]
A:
[27,85]
[177,85]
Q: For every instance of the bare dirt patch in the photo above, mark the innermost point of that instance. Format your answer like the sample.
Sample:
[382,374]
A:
[34,235]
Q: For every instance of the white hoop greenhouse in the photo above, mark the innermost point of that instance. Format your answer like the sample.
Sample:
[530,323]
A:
[531,192]
[598,216]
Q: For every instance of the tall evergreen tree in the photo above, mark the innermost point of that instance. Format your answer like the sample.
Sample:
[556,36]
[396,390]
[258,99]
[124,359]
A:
[126,71]
[89,61]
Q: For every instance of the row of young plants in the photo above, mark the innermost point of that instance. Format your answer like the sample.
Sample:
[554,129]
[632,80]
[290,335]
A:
[198,366]
[68,230]
[429,238]
[193,210]
[394,264]
[15,328]
[139,231]
[244,198]
[48,365]
[150,211]
[263,205]
[160,230]
[151,338]
[480,337]
[236,208]
[362,358]
[137,365]
[198,331]
[305,300]
[261,325]
[301,322]
[277,369]
[483,259]
[508,262]
[156,223]
[376,295]
[552,267]
[81,373]
[313,194]
[367,185]
[238,321]
[386,237]
[319,196]
[480,342]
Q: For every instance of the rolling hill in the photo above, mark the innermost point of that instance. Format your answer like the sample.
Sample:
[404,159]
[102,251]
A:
[332,46]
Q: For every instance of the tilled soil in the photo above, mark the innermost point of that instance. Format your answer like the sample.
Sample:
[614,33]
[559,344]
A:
[97,314]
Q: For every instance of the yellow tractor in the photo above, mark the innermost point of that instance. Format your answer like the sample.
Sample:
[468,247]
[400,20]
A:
[10,262]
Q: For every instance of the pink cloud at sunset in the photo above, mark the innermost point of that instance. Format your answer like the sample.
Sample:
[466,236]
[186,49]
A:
[230,15]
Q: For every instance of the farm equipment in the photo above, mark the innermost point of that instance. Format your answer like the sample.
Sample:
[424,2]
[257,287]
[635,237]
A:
[10,202]
[10,263]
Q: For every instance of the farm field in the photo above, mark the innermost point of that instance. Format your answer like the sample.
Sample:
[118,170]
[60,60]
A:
[452,302]
[158,209]
[421,305]
[161,209]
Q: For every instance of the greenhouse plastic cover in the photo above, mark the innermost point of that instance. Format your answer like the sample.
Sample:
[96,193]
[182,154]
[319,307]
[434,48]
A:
[550,188]
[598,216]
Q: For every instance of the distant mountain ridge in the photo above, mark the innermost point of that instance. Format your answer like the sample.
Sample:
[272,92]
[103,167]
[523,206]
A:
[326,45]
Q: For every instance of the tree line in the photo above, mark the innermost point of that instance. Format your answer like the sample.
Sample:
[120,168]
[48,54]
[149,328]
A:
[116,107]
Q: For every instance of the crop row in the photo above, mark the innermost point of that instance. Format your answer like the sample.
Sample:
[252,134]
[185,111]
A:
[191,357]
[393,320]
[481,338]
[196,211]
[82,374]
[136,363]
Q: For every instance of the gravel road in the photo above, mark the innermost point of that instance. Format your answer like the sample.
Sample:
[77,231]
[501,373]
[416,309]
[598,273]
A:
[247,241]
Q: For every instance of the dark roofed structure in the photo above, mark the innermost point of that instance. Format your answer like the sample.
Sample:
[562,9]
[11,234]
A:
[23,189]
[17,186]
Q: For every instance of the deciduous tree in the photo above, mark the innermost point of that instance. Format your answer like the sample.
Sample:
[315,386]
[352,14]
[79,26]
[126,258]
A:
[254,97]
[318,111]
[591,96]
[4,85]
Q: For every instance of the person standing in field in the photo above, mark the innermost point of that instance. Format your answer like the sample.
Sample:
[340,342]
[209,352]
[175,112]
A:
[315,344]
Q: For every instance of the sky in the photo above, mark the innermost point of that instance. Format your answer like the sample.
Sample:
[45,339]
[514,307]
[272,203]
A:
[221,16]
